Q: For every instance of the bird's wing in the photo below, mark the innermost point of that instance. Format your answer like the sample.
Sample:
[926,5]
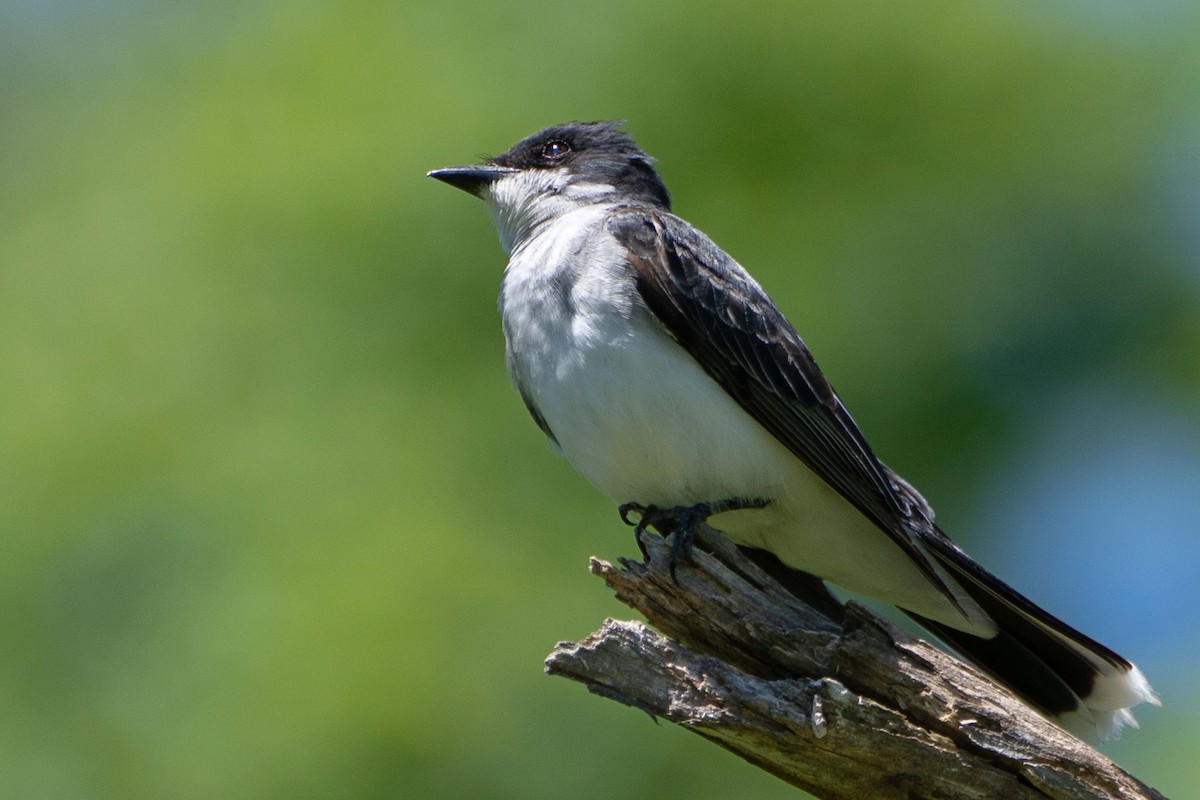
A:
[721,316]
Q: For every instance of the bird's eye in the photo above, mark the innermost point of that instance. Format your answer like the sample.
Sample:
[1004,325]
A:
[554,150]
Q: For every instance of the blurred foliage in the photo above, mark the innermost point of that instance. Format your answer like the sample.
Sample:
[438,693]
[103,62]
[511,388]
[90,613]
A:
[276,524]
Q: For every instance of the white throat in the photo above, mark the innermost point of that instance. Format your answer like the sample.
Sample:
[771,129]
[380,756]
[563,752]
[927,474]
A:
[523,202]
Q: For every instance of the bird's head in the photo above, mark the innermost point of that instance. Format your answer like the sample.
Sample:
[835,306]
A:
[556,171]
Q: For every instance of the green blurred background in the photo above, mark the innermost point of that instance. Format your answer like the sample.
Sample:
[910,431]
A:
[276,525]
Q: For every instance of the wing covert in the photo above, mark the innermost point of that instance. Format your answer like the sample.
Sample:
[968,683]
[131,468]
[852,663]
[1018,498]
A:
[720,315]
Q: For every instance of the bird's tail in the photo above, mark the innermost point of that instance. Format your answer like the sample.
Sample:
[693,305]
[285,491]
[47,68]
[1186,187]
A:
[1058,670]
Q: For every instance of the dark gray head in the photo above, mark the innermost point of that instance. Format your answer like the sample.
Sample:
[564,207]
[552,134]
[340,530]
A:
[557,170]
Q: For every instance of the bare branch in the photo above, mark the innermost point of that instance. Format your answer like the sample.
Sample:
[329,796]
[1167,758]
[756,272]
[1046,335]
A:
[848,708]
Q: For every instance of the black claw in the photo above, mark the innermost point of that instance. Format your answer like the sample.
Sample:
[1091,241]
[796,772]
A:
[627,508]
[681,547]
[680,523]
[688,520]
[646,516]
[641,546]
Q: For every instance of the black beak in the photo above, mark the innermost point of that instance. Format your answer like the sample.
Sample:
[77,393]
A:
[471,179]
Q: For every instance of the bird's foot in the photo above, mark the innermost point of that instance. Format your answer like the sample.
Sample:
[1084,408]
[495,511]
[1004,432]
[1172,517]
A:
[679,522]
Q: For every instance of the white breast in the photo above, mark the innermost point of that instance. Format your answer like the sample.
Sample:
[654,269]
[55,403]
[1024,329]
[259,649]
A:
[641,420]
[630,408]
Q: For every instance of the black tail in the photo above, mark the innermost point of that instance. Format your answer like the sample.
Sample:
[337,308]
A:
[1048,675]
[1054,667]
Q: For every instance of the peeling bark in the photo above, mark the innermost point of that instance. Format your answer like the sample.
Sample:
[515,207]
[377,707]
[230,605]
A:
[843,708]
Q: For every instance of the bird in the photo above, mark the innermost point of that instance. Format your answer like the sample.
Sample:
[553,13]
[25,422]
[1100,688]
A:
[666,376]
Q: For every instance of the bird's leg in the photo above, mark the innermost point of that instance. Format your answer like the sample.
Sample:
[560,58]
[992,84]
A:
[679,522]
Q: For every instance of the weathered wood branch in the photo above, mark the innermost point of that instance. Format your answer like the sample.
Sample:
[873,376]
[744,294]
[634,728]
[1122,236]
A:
[843,708]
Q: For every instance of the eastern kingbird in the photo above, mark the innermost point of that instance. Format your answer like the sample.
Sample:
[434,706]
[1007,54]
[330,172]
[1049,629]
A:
[662,371]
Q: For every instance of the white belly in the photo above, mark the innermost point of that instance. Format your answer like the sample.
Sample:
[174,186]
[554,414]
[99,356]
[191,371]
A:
[641,420]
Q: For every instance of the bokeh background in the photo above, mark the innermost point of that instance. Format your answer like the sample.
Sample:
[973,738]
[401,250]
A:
[275,524]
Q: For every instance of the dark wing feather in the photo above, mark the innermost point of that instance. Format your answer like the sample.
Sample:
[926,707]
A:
[729,325]
[536,414]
